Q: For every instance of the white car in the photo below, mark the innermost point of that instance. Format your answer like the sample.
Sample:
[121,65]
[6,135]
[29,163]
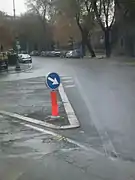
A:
[69,54]
[24,58]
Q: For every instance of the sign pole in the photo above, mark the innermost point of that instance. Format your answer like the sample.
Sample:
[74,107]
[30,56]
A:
[55,108]
[53,83]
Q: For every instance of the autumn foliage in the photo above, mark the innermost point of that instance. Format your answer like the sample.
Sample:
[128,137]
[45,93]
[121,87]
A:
[64,28]
[6,37]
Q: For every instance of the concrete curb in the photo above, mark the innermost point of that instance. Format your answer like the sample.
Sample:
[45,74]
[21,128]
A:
[35,121]
[68,108]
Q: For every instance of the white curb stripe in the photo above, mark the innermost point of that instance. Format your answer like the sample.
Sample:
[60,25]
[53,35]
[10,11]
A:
[37,122]
[34,121]
[68,108]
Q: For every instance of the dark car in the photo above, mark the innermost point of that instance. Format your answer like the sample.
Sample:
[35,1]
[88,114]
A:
[43,53]
[63,54]
[34,53]
[57,53]
[73,54]
[50,53]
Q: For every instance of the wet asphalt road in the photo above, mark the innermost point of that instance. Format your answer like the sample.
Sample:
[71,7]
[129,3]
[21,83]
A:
[28,154]
[102,94]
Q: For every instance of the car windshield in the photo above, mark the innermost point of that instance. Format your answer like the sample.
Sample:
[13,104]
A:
[67,89]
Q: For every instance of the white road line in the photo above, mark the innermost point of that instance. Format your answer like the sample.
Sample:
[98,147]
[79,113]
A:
[62,137]
[38,122]
[33,126]
[44,131]
[69,86]
[68,108]
[39,129]
[66,77]
[68,81]
[107,143]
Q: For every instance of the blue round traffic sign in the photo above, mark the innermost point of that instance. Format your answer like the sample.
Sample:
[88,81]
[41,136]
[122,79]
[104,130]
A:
[53,81]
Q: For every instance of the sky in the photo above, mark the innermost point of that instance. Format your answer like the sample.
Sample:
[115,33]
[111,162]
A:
[7,6]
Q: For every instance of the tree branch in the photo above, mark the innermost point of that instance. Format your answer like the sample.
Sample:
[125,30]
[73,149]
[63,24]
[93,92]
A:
[97,14]
[78,22]
[105,12]
[87,7]
[117,3]
[112,22]
[100,7]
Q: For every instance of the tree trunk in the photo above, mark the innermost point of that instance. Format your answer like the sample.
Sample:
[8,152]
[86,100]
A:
[85,39]
[83,48]
[107,43]
[90,48]
[88,44]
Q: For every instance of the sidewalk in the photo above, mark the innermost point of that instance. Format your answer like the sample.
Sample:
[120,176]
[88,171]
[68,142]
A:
[118,59]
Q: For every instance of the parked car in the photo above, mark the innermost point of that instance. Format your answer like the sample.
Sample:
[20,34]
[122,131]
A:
[57,53]
[50,53]
[73,54]
[43,53]
[24,58]
[63,54]
[3,61]
[34,53]
[23,52]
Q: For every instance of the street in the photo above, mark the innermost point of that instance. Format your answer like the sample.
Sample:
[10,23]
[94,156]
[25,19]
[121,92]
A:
[101,92]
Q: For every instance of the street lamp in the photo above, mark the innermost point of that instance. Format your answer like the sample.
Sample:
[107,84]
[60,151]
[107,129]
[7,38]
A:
[17,68]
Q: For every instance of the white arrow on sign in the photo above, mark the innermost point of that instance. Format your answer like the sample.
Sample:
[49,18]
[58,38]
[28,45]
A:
[54,81]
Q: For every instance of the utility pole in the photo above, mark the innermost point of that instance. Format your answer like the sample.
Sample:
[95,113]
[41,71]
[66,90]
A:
[14,8]
[17,68]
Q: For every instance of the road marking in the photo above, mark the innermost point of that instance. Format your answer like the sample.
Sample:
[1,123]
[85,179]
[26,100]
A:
[41,123]
[68,81]
[60,137]
[35,122]
[69,86]
[68,108]
[66,77]
[107,143]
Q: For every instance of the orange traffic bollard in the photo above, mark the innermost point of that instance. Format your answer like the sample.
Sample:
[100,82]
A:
[55,107]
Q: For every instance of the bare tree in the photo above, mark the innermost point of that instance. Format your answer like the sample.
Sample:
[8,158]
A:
[41,8]
[85,21]
[105,14]
[80,10]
